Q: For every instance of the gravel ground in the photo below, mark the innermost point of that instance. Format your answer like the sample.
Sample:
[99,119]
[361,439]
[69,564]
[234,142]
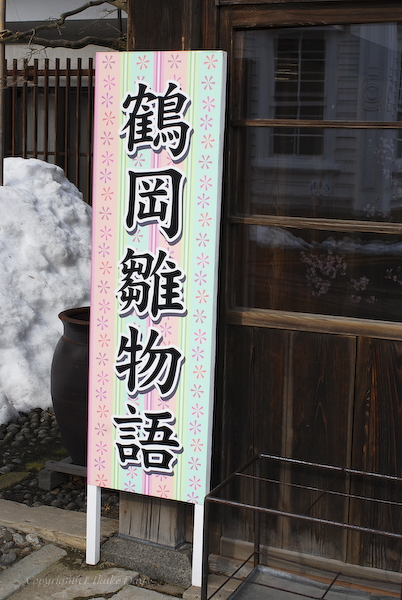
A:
[25,445]
[15,545]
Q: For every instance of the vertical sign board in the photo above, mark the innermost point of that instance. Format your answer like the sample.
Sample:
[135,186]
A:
[156,211]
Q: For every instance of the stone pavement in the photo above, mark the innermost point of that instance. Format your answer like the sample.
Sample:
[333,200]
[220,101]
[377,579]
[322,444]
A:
[58,570]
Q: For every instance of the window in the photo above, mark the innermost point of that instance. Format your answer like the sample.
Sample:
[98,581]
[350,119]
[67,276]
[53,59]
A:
[316,207]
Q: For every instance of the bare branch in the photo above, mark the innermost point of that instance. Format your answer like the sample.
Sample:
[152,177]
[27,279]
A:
[113,43]
[121,4]
[75,11]
[30,35]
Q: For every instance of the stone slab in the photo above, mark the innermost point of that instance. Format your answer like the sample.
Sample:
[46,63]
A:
[16,576]
[152,560]
[62,582]
[131,592]
[52,524]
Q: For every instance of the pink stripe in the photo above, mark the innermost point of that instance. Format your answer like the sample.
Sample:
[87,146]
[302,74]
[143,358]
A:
[106,179]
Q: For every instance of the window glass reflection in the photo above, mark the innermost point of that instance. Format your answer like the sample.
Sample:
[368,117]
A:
[299,60]
[343,72]
[359,176]
[354,275]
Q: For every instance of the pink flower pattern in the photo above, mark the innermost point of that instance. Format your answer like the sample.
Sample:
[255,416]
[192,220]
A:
[101,394]
[104,306]
[199,316]
[105,213]
[105,268]
[202,260]
[205,162]
[195,427]
[102,323]
[207,141]
[202,294]
[104,340]
[101,481]
[163,491]
[206,182]
[197,411]
[101,448]
[174,61]
[105,175]
[107,100]
[195,482]
[194,463]
[200,336]
[132,472]
[197,445]
[109,62]
[109,82]
[103,287]
[107,138]
[99,463]
[206,122]
[200,278]
[208,82]
[143,62]
[107,194]
[109,118]
[103,411]
[197,392]
[202,239]
[208,104]
[102,358]
[203,200]
[104,250]
[211,61]
[100,429]
[199,371]
[198,353]
[107,158]
[139,160]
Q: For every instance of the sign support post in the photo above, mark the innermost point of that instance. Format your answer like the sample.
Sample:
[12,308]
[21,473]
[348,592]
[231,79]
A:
[93,524]
[198,538]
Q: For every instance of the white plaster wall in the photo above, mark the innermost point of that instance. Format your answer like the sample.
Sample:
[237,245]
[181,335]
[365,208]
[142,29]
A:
[21,51]
[40,10]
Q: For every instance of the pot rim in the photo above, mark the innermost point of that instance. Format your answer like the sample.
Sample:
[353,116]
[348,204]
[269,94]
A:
[65,315]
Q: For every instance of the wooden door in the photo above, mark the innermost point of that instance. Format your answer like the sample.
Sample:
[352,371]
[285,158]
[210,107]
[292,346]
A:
[311,336]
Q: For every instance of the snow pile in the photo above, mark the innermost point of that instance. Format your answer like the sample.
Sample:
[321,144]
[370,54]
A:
[45,251]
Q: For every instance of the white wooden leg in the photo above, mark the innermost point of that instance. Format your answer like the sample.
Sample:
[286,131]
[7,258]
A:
[93,524]
[197,544]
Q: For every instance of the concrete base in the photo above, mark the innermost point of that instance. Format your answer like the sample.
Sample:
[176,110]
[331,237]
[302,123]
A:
[155,561]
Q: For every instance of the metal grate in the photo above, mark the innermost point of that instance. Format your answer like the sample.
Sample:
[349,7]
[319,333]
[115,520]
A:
[287,488]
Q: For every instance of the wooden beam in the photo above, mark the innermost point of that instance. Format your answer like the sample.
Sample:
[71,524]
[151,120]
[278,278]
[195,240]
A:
[277,319]
[343,225]
[314,13]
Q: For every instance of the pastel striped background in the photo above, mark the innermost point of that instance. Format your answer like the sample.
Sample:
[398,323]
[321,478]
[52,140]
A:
[202,76]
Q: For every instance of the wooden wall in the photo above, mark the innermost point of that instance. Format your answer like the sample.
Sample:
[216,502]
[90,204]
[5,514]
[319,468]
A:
[323,398]
[333,399]
[162,25]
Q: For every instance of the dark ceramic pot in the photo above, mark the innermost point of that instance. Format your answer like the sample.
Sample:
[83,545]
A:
[69,382]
